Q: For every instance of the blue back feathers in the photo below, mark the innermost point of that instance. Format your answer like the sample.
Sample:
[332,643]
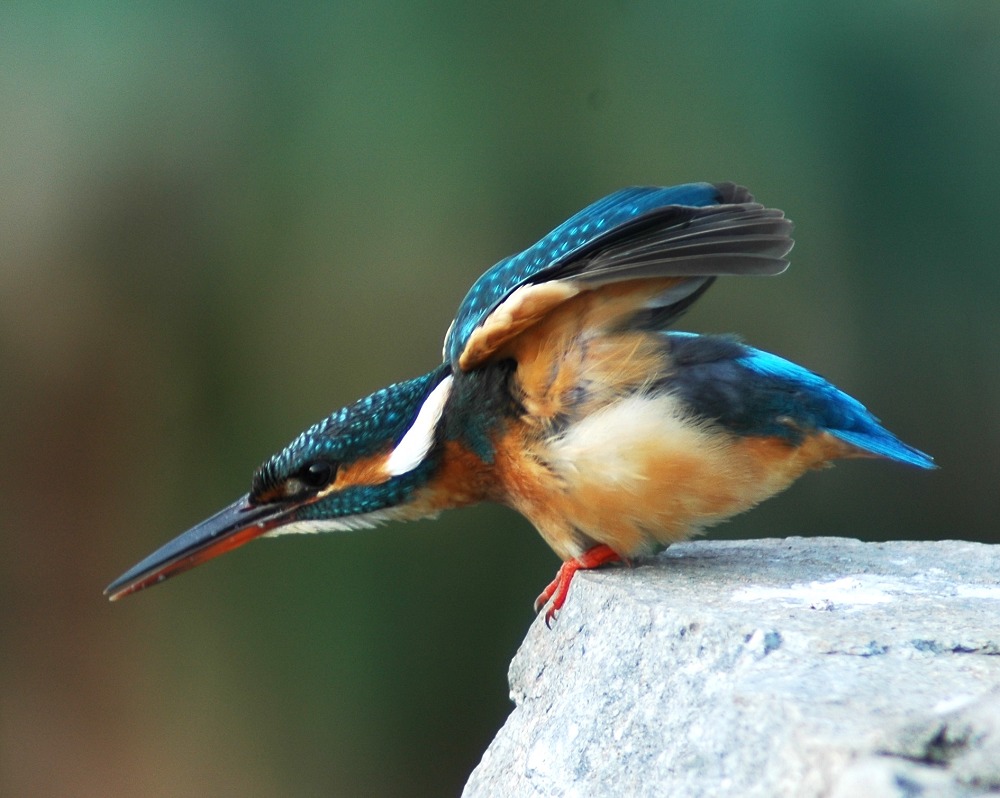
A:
[564,243]
[756,393]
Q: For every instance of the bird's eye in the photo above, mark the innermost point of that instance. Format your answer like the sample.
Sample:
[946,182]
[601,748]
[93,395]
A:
[317,474]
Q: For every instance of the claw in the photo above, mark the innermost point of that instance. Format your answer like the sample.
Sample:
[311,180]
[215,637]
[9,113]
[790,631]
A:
[555,593]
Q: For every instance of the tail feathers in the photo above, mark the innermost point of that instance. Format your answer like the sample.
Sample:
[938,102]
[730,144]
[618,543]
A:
[883,443]
[771,391]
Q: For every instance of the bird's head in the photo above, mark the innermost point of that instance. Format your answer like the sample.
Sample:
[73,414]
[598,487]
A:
[359,467]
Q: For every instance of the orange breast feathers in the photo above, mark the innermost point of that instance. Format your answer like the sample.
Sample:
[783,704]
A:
[600,457]
[639,472]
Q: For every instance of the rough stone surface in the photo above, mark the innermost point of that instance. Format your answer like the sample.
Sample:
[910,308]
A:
[798,667]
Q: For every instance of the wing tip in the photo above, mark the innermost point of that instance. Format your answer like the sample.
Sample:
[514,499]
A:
[733,194]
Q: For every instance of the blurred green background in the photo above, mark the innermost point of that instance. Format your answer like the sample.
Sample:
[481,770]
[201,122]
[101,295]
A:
[221,221]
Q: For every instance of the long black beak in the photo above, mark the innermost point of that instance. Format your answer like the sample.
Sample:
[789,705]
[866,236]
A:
[239,523]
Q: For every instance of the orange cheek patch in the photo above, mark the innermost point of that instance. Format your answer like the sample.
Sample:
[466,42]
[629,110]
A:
[367,471]
[275,494]
[461,479]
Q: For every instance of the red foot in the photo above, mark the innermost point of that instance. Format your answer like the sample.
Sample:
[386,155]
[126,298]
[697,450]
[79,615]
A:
[558,588]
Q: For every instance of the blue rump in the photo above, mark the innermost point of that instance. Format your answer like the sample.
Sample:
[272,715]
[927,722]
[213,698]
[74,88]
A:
[751,392]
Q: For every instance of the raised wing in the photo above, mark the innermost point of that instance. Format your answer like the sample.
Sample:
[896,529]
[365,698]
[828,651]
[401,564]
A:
[691,232]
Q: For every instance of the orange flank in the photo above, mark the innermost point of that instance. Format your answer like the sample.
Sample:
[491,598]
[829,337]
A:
[640,473]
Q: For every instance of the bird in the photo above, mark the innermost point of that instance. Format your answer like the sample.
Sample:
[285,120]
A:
[564,394]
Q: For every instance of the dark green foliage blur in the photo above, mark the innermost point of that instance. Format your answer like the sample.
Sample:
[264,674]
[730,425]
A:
[221,221]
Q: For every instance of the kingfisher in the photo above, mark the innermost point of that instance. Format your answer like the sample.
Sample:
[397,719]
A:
[564,395]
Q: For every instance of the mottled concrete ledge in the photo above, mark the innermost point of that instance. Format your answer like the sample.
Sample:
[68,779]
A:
[798,667]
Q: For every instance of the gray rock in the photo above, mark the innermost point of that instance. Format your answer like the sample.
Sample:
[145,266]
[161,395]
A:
[798,667]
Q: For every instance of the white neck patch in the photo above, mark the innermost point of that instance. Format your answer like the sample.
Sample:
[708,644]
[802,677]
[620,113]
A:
[417,441]
[347,523]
